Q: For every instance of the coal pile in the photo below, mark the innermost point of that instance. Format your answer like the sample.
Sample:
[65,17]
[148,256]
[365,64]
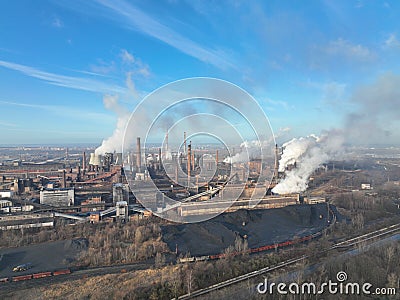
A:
[260,227]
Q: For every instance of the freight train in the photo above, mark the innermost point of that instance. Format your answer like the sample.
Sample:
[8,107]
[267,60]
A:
[262,248]
[35,276]
[252,250]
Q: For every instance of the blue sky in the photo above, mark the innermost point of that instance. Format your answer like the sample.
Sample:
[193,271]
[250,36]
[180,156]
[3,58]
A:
[312,65]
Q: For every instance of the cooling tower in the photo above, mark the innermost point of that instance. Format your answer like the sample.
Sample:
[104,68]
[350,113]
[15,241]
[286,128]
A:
[91,160]
[97,160]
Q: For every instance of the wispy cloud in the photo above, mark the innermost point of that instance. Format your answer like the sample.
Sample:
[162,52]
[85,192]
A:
[7,124]
[65,111]
[392,41]
[345,48]
[135,19]
[67,133]
[57,22]
[79,83]
[126,56]
[332,92]
[274,104]
[137,67]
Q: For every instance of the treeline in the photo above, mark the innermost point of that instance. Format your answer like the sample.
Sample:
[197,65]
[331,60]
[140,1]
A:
[123,243]
[378,266]
[109,243]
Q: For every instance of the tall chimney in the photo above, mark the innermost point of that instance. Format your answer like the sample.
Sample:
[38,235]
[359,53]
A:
[63,180]
[217,158]
[138,155]
[159,158]
[189,158]
[79,174]
[184,142]
[276,167]
[193,161]
[166,143]
[84,162]
[176,172]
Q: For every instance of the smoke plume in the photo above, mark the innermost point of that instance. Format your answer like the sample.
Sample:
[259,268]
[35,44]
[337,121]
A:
[309,153]
[249,150]
[114,142]
[373,121]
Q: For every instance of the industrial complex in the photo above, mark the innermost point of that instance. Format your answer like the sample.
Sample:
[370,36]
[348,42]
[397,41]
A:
[91,187]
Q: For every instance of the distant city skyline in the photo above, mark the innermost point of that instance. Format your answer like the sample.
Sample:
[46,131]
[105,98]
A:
[313,66]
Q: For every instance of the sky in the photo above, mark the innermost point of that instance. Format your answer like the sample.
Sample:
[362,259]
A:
[313,66]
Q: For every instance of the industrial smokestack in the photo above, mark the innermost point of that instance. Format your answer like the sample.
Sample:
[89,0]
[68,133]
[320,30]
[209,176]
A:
[193,160]
[84,162]
[138,155]
[276,167]
[166,143]
[184,142]
[159,158]
[63,180]
[217,158]
[189,158]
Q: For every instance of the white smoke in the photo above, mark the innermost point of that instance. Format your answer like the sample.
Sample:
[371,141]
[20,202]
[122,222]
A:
[114,142]
[309,153]
[248,150]
[294,149]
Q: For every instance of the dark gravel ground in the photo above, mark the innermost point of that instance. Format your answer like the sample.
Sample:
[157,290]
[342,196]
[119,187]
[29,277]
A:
[44,257]
[262,227]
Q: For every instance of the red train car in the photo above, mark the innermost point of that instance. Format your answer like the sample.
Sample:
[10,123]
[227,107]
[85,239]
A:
[22,277]
[254,250]
[61,272]
[41,275]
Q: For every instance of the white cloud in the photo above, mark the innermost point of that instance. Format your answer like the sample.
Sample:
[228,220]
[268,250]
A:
[135,19]
[103,67]
[392,42]
[65,111]
[344,48]
[273,104]
[78,83]
[8,124]
[57,23]
[126,56]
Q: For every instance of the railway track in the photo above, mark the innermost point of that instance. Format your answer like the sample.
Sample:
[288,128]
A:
[9,285]
[31,281]
[374,235]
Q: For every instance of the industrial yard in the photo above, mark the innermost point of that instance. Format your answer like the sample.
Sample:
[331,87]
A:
[68,211]
[258,227]
[50,256]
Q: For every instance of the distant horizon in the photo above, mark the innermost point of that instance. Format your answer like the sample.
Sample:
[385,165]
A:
[94,146]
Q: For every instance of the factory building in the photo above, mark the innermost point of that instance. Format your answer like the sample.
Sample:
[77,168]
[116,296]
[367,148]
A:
[26,221]
[120,192]
[122,210]
[212,207]
[58,197]
[5,204]
[6,194]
